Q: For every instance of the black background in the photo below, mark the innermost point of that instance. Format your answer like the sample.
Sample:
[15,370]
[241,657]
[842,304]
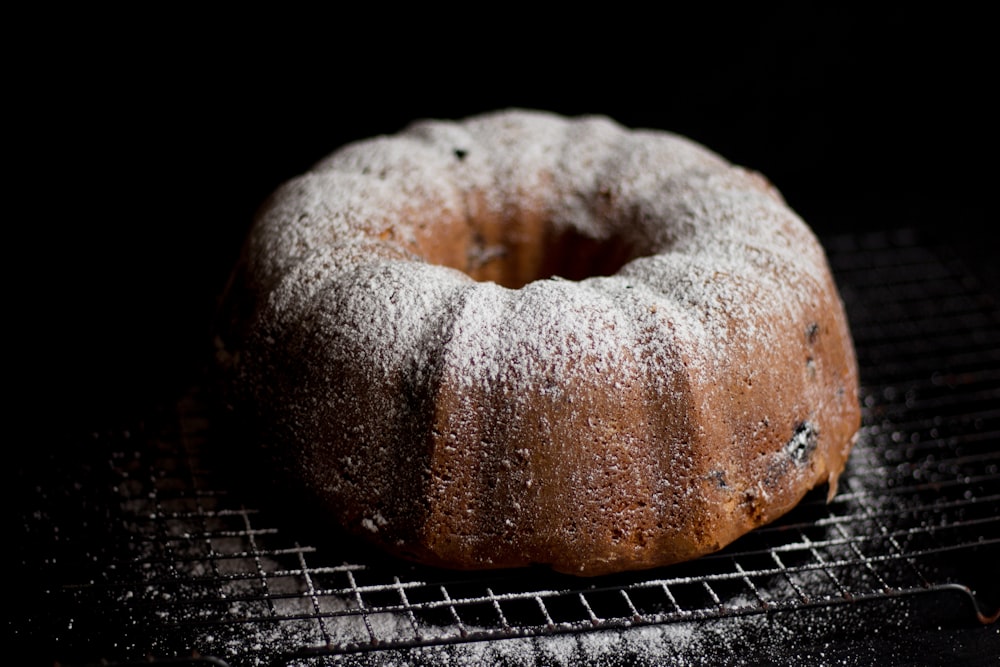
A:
[150,140]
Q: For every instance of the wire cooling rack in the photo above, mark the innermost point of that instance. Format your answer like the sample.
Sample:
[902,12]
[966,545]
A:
[149,549]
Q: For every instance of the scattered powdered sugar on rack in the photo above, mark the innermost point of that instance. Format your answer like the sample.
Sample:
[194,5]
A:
[681,643]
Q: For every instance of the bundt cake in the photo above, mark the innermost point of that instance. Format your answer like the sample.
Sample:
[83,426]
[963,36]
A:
[521,338]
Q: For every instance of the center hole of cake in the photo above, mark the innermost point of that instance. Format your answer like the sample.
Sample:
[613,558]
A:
[520,257]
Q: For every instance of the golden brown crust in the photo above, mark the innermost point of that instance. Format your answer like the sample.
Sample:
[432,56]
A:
[393,328]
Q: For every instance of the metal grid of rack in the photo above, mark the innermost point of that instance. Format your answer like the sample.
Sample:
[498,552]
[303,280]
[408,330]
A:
[152,553]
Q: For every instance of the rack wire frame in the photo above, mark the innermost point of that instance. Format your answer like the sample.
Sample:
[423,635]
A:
[184,566]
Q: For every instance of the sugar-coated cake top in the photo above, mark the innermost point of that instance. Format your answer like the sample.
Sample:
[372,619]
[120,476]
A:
[718,249]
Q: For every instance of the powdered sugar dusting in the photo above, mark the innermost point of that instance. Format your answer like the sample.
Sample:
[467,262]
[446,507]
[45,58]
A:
[321,226]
